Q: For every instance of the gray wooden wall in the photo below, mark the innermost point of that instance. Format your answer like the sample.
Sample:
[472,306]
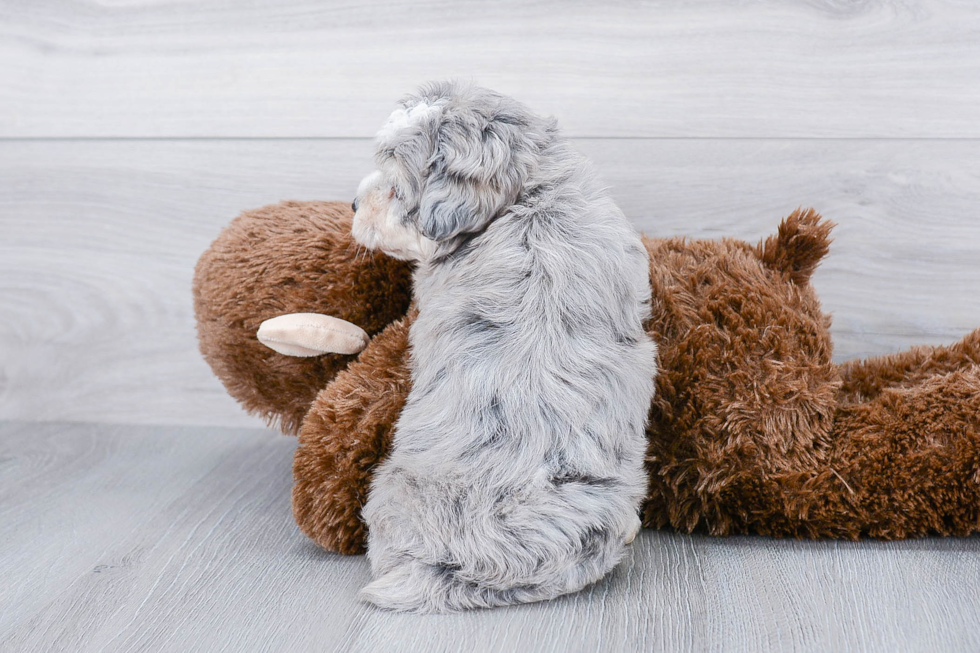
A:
[131,132]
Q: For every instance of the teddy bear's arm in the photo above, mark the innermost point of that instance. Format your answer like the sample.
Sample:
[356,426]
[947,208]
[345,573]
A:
[346,433]
[311,334]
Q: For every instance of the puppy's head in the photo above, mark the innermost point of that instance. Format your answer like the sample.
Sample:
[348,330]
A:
[450,159]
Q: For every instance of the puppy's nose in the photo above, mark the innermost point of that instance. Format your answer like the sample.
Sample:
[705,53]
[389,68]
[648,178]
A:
[353,205]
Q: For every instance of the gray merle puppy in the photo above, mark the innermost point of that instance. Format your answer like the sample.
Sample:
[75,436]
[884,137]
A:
[516,470]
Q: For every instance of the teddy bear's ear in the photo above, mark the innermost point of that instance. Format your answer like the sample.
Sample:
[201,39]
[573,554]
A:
[798,247]
[311,334]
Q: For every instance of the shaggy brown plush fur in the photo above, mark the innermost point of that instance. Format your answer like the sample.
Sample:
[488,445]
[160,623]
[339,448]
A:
[753,427]
[333,473]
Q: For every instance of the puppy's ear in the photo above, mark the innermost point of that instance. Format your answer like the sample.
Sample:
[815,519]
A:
[476,170]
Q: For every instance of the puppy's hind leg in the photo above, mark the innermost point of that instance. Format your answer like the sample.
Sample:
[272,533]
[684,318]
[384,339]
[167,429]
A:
[401,590]
[634,530]
[414,586]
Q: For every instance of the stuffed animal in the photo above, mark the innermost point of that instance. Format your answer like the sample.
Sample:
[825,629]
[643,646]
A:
[753,427]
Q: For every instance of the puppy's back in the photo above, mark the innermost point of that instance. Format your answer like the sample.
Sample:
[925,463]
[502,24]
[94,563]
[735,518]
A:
[517,465]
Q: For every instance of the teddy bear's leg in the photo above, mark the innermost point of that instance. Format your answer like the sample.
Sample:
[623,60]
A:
[903,464]
[345,435]
[865,379]
[293,257]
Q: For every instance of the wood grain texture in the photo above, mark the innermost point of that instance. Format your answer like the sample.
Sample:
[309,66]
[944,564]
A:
[100,240]
[177,539]
[618,68]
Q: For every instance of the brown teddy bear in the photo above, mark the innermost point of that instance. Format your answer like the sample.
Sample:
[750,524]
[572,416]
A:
[753,427]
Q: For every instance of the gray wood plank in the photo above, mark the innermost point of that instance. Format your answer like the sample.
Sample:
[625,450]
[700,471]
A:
[173,539]
[615,68]
[99,240]
[68,489]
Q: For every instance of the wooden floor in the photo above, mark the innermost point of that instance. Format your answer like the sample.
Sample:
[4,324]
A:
[140,509]
[126,538]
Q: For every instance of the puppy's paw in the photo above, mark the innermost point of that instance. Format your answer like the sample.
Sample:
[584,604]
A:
[403,589]
[634,531]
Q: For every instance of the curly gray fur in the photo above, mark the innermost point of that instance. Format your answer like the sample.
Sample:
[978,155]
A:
[516,470]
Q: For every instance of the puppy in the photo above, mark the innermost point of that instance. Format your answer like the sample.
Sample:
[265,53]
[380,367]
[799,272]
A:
[516,470]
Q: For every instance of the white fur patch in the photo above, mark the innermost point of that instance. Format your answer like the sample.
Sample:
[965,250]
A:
[401,118]
[377,223]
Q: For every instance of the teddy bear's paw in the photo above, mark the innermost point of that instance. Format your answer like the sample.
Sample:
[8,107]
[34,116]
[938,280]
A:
[311,334]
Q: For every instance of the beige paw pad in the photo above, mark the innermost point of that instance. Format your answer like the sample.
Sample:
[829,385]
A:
[311,334]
